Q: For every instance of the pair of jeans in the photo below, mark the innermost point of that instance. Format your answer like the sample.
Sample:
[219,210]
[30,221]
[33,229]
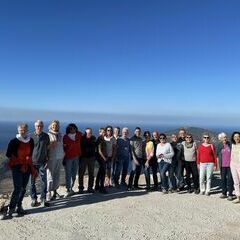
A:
[42,174]
[226,181]
[191,168]
[206,171]
[154,167]
[121,166]
[101,174]
[163,169]
[71,169]
[180,176]
[135,173]
[173,173]
[20,181]
[86,162]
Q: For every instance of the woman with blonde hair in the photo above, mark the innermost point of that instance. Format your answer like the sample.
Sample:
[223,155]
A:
[55,158]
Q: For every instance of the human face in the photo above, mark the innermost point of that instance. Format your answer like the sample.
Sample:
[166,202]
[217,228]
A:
[138,132]
[147,137]
[224,139]
[116,132]
[174,138]
[182,134]
[88,133]
[38,127]
[162,139]
[236,138]
[206,139]
[22,131]
[125,133]
[109,131]
[102,132]
[155,136]
[55,127]
[188,138]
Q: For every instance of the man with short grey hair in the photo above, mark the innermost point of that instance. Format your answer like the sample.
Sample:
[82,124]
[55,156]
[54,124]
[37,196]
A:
[39,159]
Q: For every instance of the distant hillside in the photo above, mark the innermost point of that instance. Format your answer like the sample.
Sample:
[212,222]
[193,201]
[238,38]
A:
[197,134]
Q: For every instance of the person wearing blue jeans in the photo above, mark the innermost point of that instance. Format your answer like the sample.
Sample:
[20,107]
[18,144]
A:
[164,154]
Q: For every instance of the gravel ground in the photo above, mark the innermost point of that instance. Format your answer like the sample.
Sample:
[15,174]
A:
[128,215]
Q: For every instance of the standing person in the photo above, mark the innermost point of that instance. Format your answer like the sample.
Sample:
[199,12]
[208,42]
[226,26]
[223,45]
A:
[164,154]
[137,153]
[224,159]
[40,160]
[88,145]
[153,162]
[175,171]
[123,157]
[148,155]
[116,135]
[19,153]
[102,160]
[55,158]
[207,162]
[235,164]
[111,152]
[190,157]
[72,149]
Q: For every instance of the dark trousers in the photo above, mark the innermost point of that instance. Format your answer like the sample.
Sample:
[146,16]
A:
[20,181]
[154,167]
[180,174]
[86,163]
[101,174]
[135,174]
[42,173]
[226,181]
[191,168]
[173,176]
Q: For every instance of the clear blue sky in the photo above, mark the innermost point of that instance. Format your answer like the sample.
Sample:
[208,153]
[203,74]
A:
[167,57]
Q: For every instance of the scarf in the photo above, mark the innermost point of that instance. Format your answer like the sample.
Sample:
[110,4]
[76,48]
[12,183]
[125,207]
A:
[24,139]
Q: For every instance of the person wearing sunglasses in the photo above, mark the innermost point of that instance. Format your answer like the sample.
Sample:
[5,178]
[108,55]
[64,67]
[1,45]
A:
[164,154]
[190,157]
[207,162]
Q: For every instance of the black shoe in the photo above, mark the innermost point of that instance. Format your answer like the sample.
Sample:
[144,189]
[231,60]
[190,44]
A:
[189,191]
[21,211]
[90,190]
[81,191]
[103,190]
[8,214]
[196,191]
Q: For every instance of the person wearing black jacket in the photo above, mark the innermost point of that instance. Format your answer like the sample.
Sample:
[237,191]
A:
[88,145]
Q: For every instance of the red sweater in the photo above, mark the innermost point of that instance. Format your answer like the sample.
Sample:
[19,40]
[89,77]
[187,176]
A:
[206,154]
[72,148]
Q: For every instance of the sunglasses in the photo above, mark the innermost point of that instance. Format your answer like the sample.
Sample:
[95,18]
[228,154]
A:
[206,137]
[188,137]
[162,138]
[109,130]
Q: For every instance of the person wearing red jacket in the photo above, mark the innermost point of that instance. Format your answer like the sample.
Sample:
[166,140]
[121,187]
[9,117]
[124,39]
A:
[207,162]
[72,149]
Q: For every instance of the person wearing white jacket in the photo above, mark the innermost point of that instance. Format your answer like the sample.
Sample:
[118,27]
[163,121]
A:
[164,155]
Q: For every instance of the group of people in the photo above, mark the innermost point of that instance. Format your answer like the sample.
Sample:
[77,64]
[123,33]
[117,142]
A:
[182,164]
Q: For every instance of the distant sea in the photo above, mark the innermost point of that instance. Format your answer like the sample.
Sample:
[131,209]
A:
[8,130]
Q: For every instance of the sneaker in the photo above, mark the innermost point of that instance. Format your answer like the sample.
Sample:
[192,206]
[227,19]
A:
[69,193]
[164,191]
[207,194]
[189,191]
[222,196]
[45,203]
[230,198]
[48,196]
[8,214]
[21,211]
[55,196]
[202,192]
[35,203]
[237,200]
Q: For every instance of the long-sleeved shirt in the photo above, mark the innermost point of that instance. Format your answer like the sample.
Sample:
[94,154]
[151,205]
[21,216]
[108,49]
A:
[123,148]
[167,152]
[206,154]
[136,147]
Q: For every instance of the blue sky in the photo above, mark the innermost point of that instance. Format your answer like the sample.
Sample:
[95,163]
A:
[153,58]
